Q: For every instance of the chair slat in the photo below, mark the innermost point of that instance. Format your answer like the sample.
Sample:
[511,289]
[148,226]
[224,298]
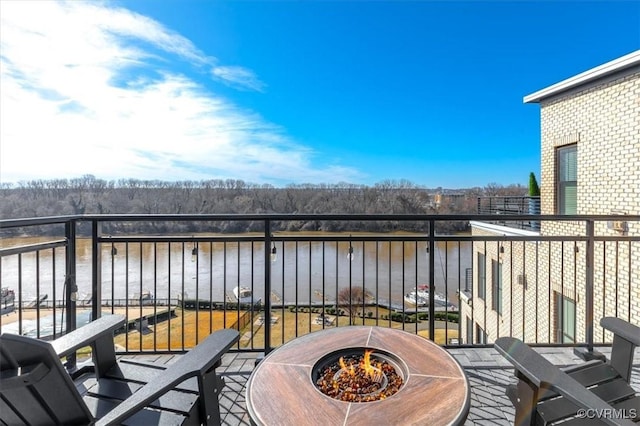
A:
[560,408]
[179,402]
[145,372]
[630,406]
[589,375]
[145,417]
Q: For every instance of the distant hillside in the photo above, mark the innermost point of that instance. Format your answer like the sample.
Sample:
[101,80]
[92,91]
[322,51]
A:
[88,195]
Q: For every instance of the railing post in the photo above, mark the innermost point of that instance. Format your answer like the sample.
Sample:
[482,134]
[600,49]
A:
[432,279]
[71,288]
[588,353]
[589,270]
[96,270]
[267,286]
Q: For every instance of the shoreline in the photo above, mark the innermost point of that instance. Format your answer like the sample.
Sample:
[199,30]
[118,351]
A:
[191,325]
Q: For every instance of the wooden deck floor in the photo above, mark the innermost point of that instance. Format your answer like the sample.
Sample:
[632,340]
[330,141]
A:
[486,370]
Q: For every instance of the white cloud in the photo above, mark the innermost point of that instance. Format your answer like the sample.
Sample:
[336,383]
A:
[238,77]
[89,89]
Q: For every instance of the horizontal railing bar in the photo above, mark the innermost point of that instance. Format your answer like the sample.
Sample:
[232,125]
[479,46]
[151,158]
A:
[8,223]
[354,238]
[350,217]
[625,238]
[34,221]
[178,239]
[32,247]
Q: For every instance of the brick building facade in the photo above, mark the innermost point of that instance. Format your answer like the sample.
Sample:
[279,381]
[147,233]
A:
[590,165]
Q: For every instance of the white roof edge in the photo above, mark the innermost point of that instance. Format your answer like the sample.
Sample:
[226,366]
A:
[616,65]
[502,230]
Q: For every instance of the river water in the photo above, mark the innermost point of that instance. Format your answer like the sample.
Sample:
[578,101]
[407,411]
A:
[302,272]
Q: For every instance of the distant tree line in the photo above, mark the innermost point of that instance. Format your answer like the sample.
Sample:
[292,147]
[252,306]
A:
[89,195]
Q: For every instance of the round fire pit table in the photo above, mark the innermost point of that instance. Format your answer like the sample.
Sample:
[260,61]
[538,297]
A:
[281,389]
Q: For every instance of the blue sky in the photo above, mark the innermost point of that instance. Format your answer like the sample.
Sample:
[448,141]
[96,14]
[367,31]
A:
[285,92]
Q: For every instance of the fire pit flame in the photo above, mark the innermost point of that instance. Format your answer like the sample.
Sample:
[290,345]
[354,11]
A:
[347,369]
[374,373]
[359,378]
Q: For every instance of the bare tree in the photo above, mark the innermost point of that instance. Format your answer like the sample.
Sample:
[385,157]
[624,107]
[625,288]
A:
[352,300]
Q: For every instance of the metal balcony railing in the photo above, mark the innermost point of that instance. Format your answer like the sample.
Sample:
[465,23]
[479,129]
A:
[511,205]
[179,284]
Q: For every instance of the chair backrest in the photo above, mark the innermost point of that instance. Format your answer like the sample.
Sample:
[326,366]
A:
[35,389]
[626,337]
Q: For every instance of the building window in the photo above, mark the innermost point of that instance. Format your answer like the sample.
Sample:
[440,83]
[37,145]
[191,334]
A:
[482,276]
[567,174]
[496,286]
[566,319]
[481,336]
[469,327]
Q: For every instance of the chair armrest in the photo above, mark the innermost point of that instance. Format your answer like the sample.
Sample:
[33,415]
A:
[84,336]
[622,328]
[542,374]
[197,361]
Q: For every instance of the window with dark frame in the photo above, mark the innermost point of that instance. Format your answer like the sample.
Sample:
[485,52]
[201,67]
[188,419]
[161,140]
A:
[482,276]
[481,335]
[496,286]
[567,179]
[565,319]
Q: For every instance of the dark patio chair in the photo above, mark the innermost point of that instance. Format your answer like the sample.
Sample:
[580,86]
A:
[35,388]
[545,394]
